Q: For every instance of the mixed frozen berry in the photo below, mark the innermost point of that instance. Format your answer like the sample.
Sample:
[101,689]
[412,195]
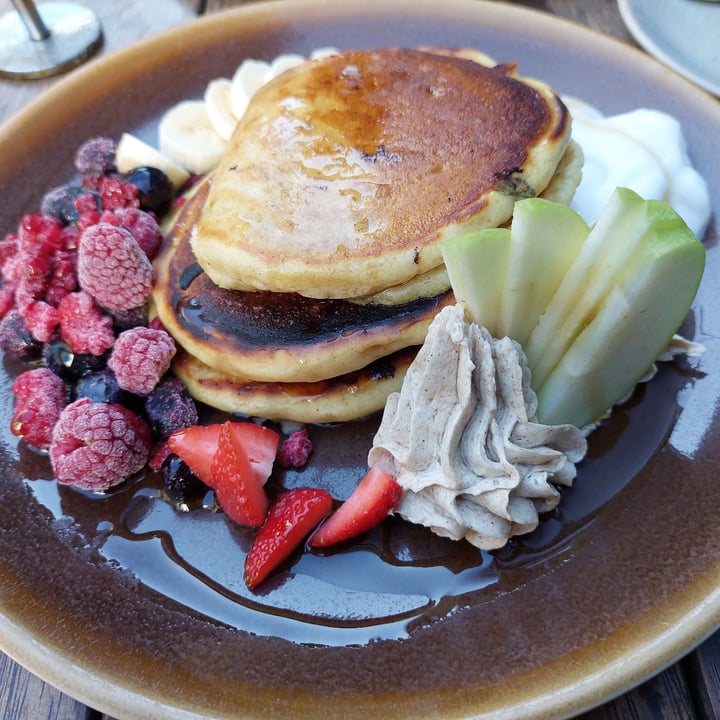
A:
[100,397]
[76,276]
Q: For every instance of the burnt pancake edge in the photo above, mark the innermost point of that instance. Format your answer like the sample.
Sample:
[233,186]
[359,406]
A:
[274,337]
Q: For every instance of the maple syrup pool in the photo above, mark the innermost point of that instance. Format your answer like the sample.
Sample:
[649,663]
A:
[385,585]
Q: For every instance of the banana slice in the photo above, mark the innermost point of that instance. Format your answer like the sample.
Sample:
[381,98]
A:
[282,63]
[323,52]
[188,137]
[132,152]
[245,83]
[217,101]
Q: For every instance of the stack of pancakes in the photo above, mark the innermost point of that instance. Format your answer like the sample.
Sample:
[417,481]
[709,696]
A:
[301,277]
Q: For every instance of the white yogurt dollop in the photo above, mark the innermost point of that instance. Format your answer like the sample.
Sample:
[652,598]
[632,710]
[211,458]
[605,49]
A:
[643,150]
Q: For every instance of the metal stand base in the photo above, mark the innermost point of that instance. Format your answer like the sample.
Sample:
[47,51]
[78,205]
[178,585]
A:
[74,33]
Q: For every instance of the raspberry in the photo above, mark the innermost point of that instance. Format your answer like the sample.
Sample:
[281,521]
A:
[96,155]
[295,450]
[140,358]
[113,268]
[40,398]
[158,455]
[8,247]
[41,319]
[96,446]
[83,326]
[114,193]
[63,279]
[143,226]
[169,408]
[7,299]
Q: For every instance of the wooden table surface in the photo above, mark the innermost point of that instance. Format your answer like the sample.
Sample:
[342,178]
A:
[689,689]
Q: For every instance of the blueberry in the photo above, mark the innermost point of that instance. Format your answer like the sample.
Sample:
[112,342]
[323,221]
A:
[155,191]
[60,202]
[69,365]
[16,341]
[102,386]
[180,481]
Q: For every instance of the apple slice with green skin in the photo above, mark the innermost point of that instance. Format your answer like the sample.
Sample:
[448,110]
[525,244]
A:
[545,240]
[601,260]
[477,265]
[637,318]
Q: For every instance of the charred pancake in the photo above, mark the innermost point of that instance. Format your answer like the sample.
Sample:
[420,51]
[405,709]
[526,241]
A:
[349,397]
[274,337]
[345,173]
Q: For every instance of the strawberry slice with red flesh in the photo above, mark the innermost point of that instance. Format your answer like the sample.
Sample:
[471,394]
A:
[368,505]
[260,444]
[290,519]
[196,447]
[238,488]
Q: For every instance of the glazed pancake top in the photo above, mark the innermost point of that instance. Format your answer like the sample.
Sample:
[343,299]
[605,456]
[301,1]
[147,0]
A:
[345,173]
[274,337]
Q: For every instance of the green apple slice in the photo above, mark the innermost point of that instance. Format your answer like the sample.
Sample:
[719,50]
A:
[634,324]
[587,282]
[477,265]
[545,240]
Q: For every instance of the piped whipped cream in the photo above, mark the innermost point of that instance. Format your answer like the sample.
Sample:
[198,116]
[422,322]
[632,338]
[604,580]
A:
[462,440]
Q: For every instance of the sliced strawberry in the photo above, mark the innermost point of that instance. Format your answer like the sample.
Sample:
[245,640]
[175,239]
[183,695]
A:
[196,446]
[368,505]
[260,444]
[294,515]
[237,486]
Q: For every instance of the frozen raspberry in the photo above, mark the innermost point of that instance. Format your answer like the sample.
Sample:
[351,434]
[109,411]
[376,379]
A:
[39,234]
[158,455]
[143,226]
[16,341]
[8,247]
[96,446]
[96,155]
[63,278]
[113,268]
[169,407]
[7,299]
[114,193]
[140,358]
[295,450]
[83,326]
[41,319]
[40,398]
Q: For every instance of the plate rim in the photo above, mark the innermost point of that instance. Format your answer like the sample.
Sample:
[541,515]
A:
[20,643]
[650,43]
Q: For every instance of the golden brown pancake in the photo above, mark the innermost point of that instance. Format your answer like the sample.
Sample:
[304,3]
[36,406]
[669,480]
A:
[348,397]
[560,189]
[345,173]
[274,337]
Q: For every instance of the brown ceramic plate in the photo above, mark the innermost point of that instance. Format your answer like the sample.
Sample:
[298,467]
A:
[141,612]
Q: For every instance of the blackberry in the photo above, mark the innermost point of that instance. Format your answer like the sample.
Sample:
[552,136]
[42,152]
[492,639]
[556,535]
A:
[96,155]
[179,481]
[169,408]
[60,202]
[155,191]
[16,340]
[68,365]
